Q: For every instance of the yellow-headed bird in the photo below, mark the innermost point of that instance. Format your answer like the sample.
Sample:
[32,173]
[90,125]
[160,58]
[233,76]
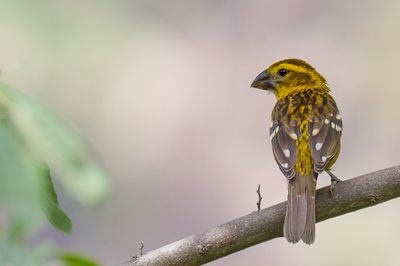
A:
[305,133]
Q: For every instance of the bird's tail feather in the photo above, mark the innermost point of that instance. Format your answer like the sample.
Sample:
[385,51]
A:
[300,214]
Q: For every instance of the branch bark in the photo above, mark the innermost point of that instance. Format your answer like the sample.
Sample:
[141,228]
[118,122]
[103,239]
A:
[259,226]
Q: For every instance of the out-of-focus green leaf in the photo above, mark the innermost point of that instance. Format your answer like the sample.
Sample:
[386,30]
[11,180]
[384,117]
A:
[14,254]
[51,208]
[54,143]
[47,182]
[19,187]
[73,259]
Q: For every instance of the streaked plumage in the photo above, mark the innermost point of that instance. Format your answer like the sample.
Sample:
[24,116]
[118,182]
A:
[305,134]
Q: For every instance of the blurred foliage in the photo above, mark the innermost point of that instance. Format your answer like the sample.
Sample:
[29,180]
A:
[30,139]
[51,207]
[72,259]
[14,254]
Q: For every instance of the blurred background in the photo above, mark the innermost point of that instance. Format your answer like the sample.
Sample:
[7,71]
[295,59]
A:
[160,89]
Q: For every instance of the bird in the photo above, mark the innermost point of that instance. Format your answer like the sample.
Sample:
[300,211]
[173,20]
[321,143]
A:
[305,132]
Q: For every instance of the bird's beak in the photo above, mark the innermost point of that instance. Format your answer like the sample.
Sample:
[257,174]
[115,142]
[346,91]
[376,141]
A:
[263,81]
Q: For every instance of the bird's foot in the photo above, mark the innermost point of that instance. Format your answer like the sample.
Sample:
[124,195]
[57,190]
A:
[334,181]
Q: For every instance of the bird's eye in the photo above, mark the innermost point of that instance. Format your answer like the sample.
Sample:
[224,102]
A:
[282,72]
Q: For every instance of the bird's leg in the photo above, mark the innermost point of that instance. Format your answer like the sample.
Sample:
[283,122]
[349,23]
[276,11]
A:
[334,181]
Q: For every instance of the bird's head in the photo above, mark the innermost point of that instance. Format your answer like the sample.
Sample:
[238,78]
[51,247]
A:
[289,76]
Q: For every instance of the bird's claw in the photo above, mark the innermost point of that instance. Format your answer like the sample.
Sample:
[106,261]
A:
[334,181]
[332,186]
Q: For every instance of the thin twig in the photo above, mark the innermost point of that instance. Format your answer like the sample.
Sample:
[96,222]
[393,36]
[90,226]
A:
[259,198]
[266,224]
[135,257]
[141,248]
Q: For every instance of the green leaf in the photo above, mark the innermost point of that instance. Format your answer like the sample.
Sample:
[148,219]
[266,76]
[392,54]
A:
[73,259]
[15,254]
[47,183]
[51,208]
[53,142]
[19,187]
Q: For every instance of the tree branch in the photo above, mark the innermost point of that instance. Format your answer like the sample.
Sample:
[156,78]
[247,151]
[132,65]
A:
[259,226]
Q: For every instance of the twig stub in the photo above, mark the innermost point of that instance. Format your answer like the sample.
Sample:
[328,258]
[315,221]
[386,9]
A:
[259,198]
[141,248]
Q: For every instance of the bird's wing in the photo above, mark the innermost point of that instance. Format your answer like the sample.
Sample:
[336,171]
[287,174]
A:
[283,137]
[324,131]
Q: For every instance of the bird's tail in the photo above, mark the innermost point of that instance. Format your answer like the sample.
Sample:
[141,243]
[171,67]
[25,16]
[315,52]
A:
[300,214]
